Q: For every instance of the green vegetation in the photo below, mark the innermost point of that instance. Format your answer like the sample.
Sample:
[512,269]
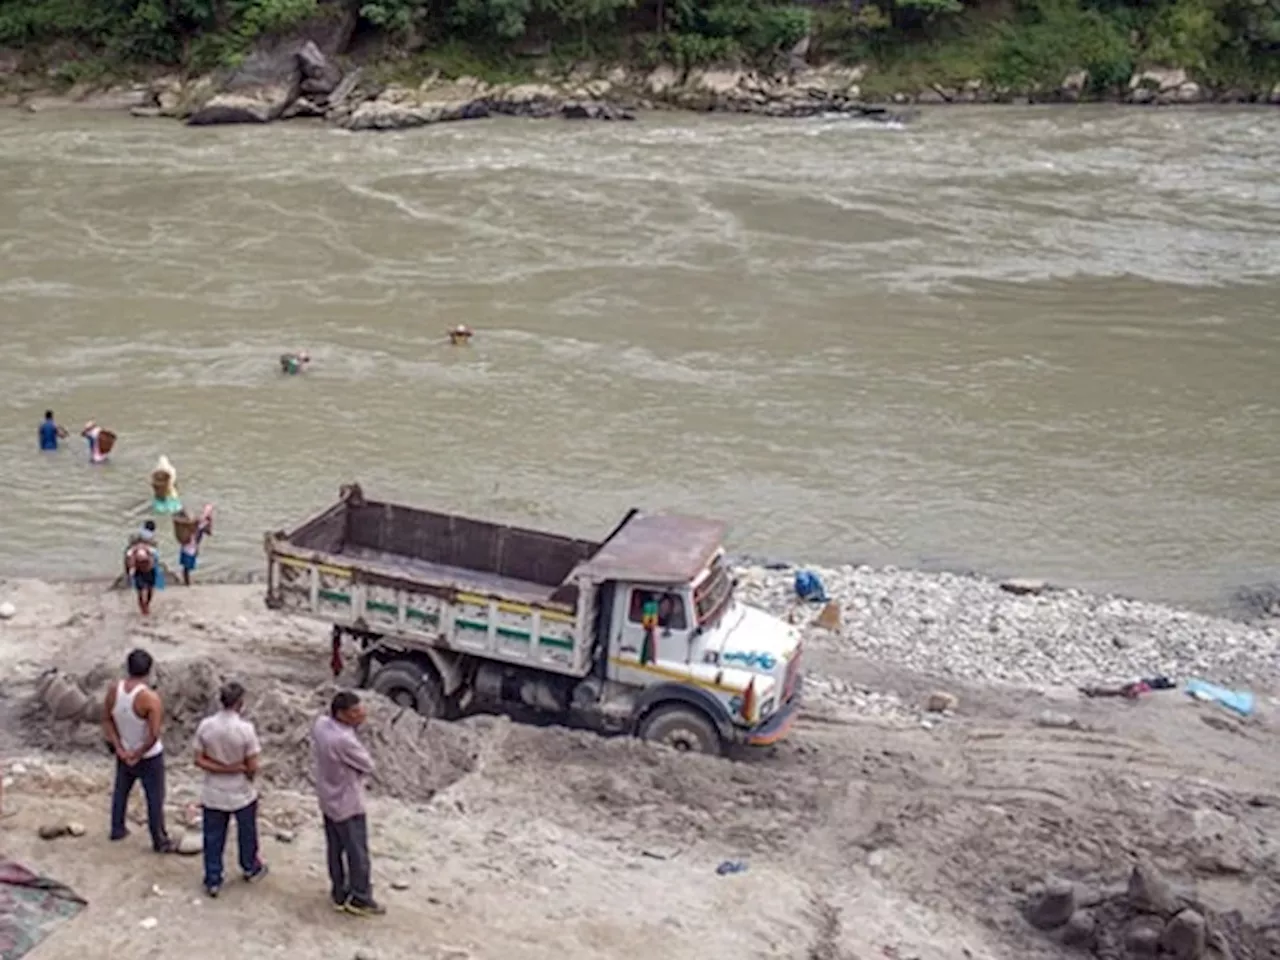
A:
[1019,45]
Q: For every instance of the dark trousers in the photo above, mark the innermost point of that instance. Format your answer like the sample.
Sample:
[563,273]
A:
[216,826]
[150,770]
[347,844]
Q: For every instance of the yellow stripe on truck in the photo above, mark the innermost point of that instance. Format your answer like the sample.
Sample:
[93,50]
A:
[322,567]
[676,675]
[507,607]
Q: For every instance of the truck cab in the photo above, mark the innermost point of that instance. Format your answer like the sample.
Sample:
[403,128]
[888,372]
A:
[697,666]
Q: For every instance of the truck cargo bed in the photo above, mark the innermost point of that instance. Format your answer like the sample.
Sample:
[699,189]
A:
[477,581]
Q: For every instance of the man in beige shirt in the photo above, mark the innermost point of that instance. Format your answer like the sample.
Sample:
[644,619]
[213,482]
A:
[227,750]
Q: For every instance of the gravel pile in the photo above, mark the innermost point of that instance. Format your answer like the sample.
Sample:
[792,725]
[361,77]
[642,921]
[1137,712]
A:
[977,630]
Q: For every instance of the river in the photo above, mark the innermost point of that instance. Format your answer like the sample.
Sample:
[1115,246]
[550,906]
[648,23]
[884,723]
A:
[1032,341]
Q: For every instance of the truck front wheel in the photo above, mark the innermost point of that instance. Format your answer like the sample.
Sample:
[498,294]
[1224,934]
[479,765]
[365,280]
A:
[406,684]
[682,728]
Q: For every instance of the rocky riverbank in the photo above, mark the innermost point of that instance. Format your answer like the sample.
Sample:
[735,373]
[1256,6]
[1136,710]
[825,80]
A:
[303,81]
[1020,633]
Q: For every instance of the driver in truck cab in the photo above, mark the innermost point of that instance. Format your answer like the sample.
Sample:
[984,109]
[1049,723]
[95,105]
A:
[670,608]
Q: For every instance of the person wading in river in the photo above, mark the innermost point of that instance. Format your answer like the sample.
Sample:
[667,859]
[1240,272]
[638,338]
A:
[131,721]
[341,764]
[50,432]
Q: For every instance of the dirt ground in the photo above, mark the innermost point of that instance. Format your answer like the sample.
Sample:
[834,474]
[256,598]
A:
[866,835]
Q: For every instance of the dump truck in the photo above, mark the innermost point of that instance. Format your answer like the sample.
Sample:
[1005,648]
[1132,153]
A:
[640,633]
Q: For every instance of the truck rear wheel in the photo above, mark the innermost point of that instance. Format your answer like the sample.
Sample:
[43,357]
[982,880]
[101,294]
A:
[682,728]
[408,684]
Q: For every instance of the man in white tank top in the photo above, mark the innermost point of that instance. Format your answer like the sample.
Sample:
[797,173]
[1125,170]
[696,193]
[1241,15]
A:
[131,721]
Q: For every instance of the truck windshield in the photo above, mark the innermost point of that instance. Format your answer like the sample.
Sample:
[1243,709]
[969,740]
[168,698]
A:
[712,595]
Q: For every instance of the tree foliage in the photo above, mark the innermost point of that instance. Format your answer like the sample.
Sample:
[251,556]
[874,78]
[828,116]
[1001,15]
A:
[1014,43]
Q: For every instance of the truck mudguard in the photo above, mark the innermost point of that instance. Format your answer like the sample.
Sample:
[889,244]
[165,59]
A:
[680,693]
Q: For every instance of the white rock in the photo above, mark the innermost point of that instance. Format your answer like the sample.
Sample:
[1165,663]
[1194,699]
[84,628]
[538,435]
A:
[8,611]
[149,924]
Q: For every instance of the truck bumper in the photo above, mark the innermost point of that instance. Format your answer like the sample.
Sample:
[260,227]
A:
[776,728]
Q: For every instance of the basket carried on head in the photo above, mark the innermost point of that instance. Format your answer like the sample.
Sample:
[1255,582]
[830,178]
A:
[106,441]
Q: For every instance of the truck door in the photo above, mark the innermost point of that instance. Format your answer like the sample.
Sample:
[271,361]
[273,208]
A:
[671,648]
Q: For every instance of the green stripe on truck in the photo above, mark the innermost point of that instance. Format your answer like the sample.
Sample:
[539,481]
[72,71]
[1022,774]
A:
[334,596]
[515,634]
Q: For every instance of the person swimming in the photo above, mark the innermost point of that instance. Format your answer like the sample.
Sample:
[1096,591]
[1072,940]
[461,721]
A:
[50,432]
[460,335]
[293,363]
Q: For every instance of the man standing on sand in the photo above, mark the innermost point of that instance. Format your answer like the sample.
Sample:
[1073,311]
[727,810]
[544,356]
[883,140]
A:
[227,750]
[341,764]
[131,721]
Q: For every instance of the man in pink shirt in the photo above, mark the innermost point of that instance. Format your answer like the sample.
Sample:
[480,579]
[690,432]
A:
[341,764]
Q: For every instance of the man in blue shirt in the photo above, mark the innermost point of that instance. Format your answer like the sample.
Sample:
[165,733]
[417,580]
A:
[50,432]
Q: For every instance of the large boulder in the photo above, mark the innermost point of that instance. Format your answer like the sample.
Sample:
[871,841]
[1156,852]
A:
[1185,936]
[260,105]
[662,80]
[1073,85]
[319,73]
[280,68]
[1052,905]
[1160,85]
[1149,892]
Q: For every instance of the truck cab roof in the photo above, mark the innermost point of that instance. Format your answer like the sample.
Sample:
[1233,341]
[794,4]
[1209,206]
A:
[654,548]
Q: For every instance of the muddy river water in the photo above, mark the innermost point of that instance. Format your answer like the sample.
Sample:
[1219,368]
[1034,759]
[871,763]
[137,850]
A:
[1043,342]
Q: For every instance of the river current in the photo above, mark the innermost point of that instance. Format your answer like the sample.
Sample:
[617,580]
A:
[1032,341]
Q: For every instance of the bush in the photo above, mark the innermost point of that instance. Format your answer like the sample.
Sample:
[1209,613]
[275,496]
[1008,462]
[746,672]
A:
[1055,37]
[726,30]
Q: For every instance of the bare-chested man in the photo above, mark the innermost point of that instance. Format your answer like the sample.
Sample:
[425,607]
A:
[132,722]
[140,562]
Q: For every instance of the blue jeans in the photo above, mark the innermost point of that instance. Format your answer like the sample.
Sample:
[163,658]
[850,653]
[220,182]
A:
[216,825]
[150,770]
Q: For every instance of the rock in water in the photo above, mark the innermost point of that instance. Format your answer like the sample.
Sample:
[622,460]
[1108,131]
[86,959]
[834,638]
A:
[1052,906]
[1184,938]
[1149,892]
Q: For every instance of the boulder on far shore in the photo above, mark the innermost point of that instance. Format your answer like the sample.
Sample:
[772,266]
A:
[281,69]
